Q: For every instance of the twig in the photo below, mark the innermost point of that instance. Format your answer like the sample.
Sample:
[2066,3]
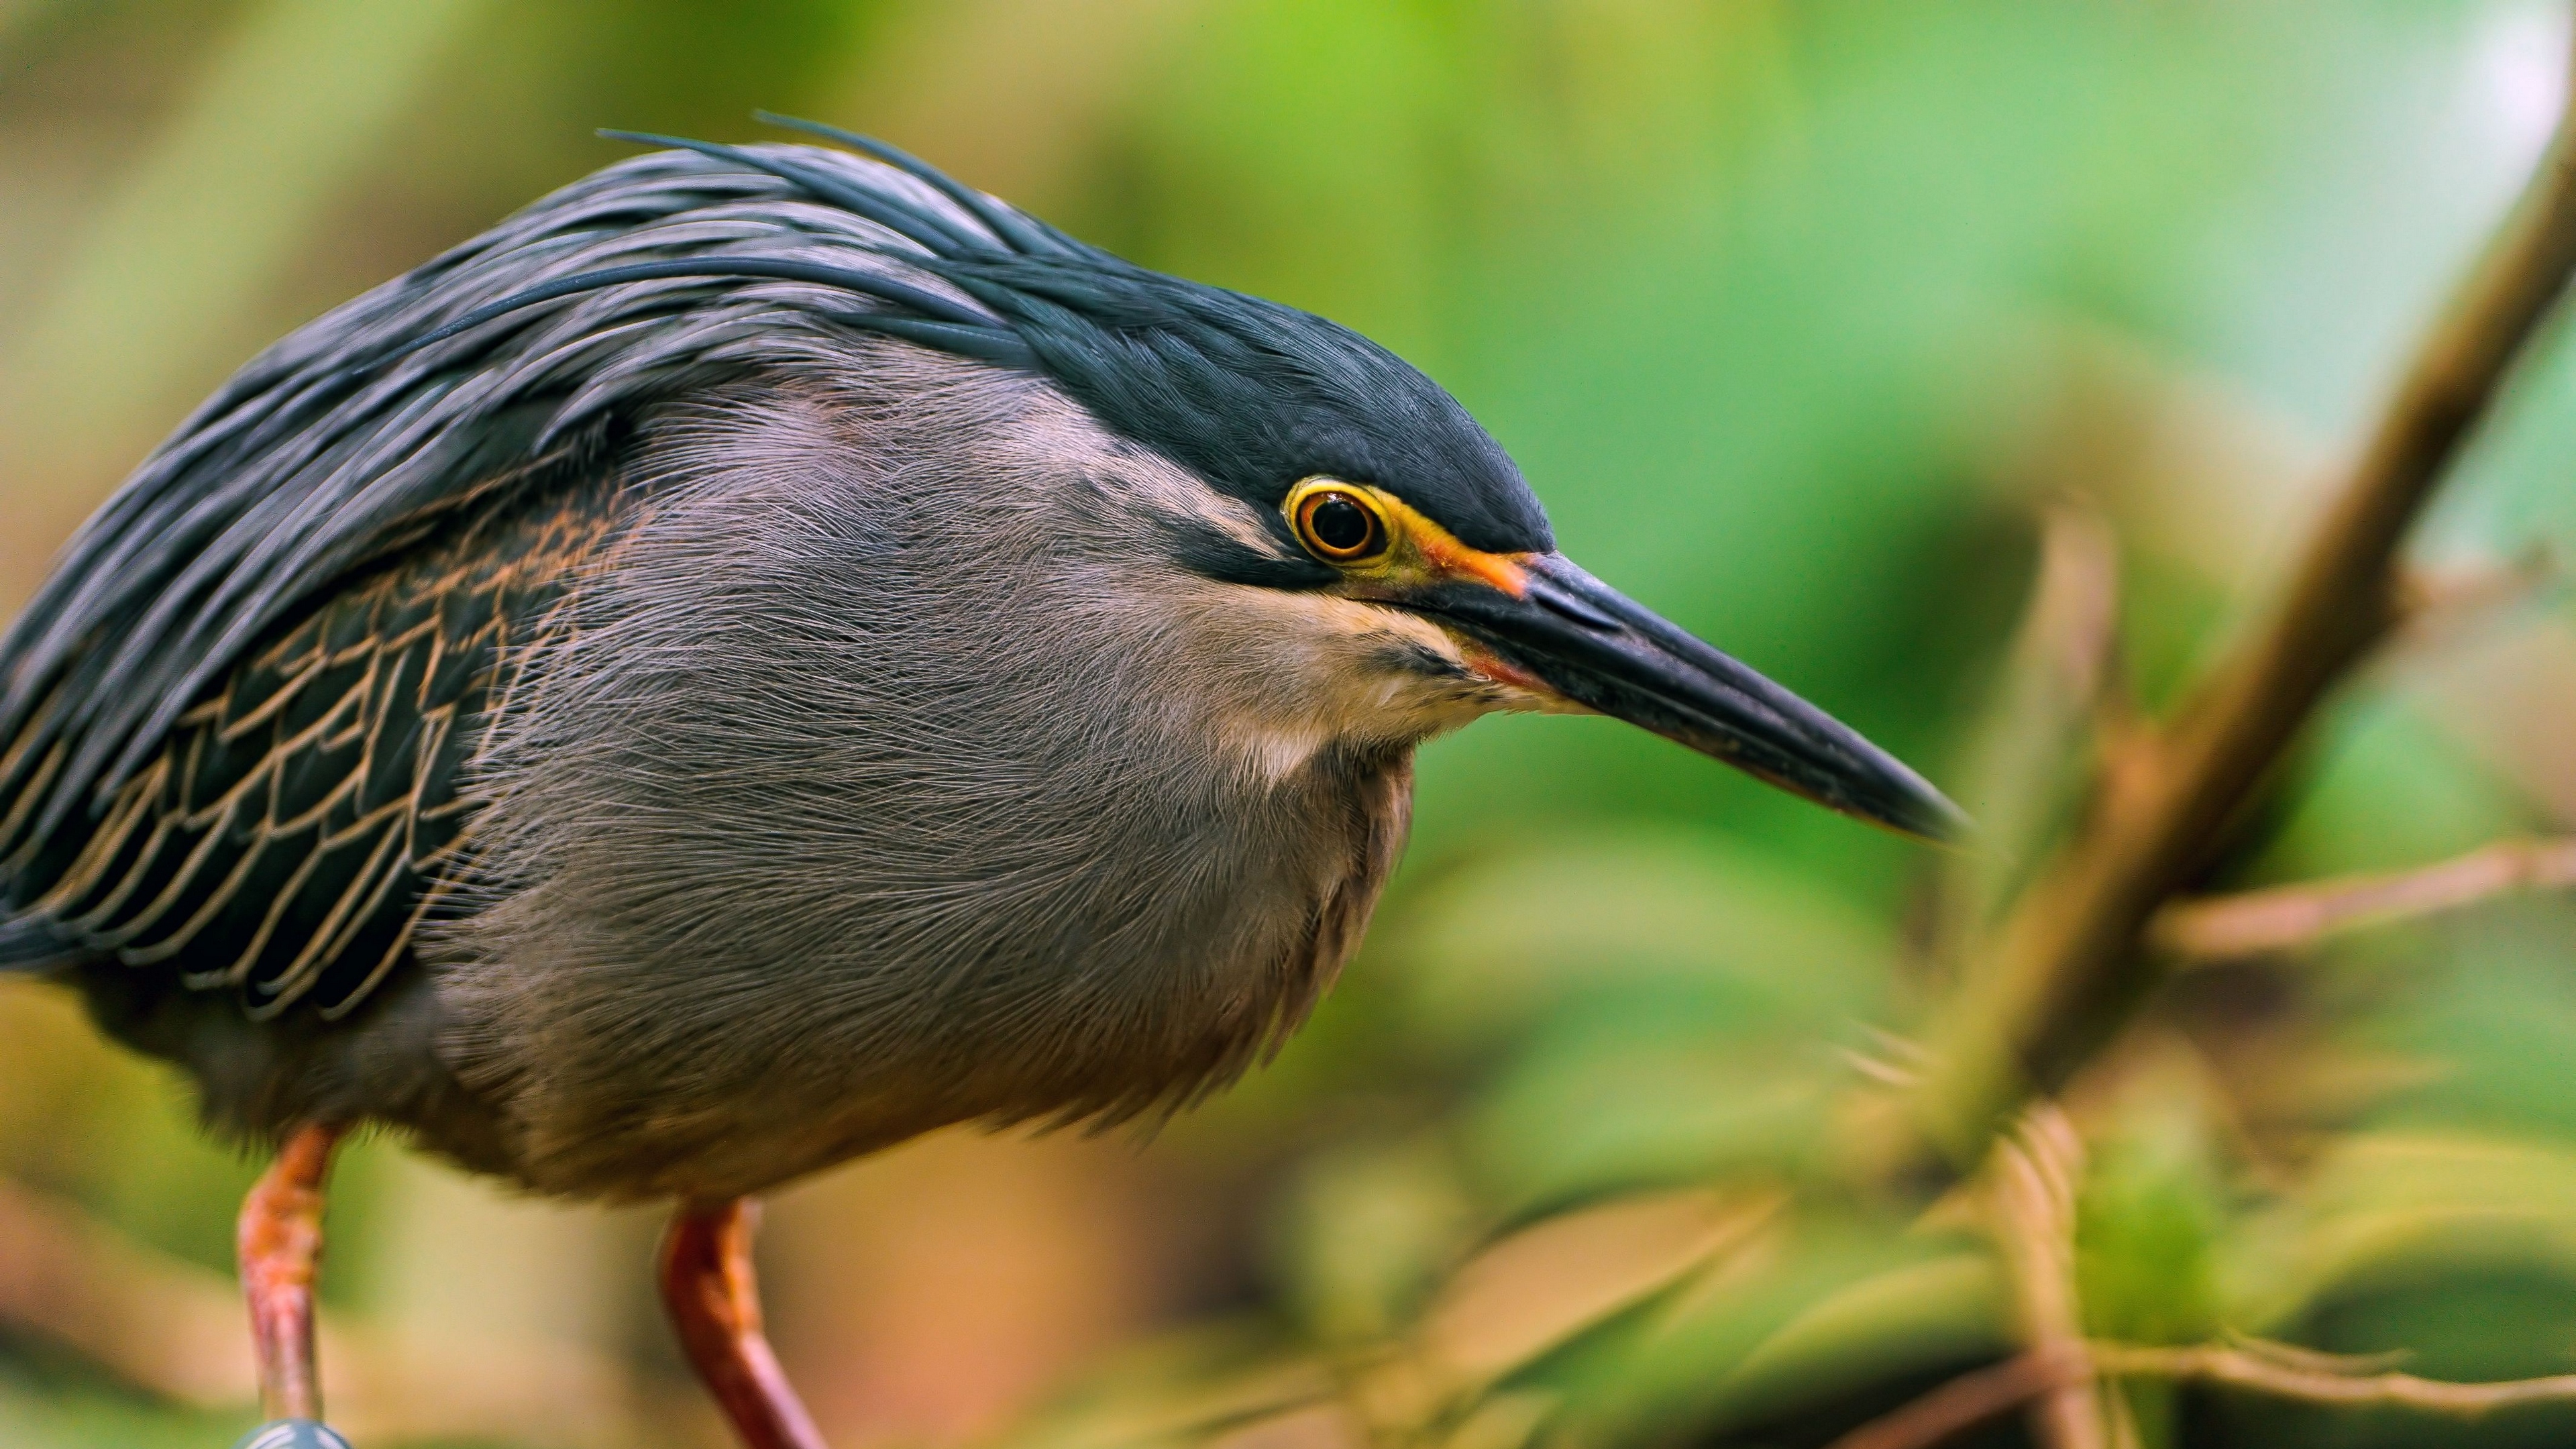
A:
[2239,1368]
[2023,772]
[2069,968]
[1969,1400]
[2035,1176]
[2285,917]
[2274,1370]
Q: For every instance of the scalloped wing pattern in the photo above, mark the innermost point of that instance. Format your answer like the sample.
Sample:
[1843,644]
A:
[302,819]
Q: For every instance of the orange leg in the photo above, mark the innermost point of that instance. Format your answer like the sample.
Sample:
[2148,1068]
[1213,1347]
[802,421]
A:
[714,1303]
[279,1240]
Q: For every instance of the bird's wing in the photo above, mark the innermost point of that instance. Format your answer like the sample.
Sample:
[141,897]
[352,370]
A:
[33,946]
[249,651]
[298,822]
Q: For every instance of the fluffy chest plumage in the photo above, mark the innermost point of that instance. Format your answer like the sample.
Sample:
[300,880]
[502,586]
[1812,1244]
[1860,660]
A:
[650,1020]
[836,811]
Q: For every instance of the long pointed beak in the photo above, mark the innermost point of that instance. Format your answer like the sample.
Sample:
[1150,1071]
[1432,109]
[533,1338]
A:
[1597,648]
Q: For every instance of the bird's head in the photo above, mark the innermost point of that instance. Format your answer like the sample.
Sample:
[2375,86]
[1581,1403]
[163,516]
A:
[1371,532]
[1398,543]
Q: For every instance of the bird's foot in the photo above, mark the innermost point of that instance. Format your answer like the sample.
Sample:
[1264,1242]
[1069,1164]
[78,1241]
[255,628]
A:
[280,1244]
[714,1303]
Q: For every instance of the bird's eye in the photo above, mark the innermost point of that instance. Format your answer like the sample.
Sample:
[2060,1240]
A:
[1339,524]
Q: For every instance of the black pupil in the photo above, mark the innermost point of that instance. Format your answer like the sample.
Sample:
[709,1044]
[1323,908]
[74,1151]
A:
[1341,525]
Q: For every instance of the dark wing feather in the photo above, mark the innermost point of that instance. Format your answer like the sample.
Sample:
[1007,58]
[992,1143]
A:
[297,824]
[232,720]
[31,946]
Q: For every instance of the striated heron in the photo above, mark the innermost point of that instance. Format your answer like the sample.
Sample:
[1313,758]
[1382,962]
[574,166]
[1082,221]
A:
[762,654]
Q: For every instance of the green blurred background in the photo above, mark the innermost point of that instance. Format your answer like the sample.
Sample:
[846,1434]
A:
[1798,316]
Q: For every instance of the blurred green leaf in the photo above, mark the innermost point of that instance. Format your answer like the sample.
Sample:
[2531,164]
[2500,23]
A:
[1834,1302]
[1689,928]
[1944,1311]
[2383,1208]
[1612,1107]
[2148,1219]
[1550,1281]
[1369,1228]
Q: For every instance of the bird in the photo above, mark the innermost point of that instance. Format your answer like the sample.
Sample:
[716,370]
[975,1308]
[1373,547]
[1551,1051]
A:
[766,652]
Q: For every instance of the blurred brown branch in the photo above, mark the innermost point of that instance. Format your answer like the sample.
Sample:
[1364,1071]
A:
[2286,917]
[2069,966]
[2279,1371]
[155,1322]
[2294,1375]
[1970,1399]
[2035,1177]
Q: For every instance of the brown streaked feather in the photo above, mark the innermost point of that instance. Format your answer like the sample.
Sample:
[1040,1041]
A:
[299,822]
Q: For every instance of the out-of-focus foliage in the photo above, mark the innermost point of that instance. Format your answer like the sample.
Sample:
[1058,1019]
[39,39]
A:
[1797,314]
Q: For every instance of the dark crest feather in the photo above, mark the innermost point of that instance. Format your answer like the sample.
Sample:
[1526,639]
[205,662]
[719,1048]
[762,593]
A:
[930,231]
[885,288]
[1024,233]
[662,273]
